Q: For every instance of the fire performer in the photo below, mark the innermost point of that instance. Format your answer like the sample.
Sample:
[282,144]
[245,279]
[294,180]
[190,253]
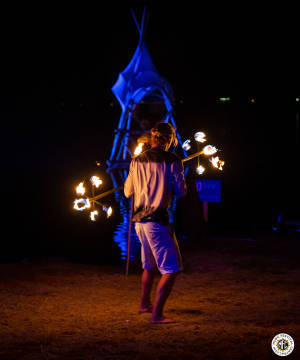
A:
[154,177]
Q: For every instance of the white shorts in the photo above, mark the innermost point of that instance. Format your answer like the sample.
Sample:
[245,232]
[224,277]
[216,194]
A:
[159,247]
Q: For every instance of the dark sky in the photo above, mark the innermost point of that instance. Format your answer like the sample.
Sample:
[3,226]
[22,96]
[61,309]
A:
[235,49]
[58,112]
[56,59]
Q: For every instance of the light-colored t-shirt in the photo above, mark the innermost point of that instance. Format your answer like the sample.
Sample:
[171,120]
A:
[154,176]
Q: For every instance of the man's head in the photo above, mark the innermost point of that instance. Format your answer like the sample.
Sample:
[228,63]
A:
[163,135]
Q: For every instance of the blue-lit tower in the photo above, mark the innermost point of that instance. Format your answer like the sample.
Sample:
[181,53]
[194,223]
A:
[145,98]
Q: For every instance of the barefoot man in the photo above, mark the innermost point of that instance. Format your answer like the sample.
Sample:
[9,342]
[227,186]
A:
[154,176]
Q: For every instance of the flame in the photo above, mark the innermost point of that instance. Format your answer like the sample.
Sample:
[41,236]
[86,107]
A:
[217,163]
[209,150]
[93,214]
[80,190]
[200,170]
[96,181]
[107,210]
[186,145]
[138,149]
[86,204]
[200,136]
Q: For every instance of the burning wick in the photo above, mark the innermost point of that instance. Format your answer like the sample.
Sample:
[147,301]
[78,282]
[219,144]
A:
[209,150]
[217,163]
[80,190]
[200,170]
[186,145]
[85,202]
[93,214]
[107,210]
[200,136]
[96,181]
[138,149]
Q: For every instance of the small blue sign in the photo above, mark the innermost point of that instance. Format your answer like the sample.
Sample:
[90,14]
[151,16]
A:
[209,190]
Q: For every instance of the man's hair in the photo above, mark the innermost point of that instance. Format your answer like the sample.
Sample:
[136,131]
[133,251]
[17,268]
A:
[163,133]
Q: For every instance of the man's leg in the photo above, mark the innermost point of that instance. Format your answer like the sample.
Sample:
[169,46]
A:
[147,283]
[163,291]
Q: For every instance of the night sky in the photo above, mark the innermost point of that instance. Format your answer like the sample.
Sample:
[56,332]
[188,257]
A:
[58,113]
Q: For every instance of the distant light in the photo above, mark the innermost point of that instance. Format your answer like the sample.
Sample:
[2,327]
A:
[252,100]
[297,99]
[274,228]
[224,99]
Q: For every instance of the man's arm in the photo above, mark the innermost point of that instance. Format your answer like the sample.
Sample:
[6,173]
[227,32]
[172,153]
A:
[128,186]
[179,184]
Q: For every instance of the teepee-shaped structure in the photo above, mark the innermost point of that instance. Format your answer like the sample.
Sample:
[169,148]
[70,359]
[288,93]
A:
[145,98]
[138,84]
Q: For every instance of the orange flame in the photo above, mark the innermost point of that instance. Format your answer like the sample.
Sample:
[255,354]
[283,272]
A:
[200,136]
[138,149]
[80,189]
[84,202]
[200,170]
[93,215]
[96,181]
[186,145]
[107,210]
[217,163]
[209,150]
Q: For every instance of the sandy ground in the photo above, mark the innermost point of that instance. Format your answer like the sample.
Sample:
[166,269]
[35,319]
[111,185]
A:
[232,298]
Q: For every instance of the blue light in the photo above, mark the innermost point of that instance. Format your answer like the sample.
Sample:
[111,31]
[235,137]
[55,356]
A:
[121,233]
[279,219]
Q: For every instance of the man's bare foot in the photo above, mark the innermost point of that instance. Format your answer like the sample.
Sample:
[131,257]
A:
[146,309]
[161,320]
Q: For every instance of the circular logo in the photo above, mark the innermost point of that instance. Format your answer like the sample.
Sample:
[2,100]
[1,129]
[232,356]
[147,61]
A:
[282,344]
